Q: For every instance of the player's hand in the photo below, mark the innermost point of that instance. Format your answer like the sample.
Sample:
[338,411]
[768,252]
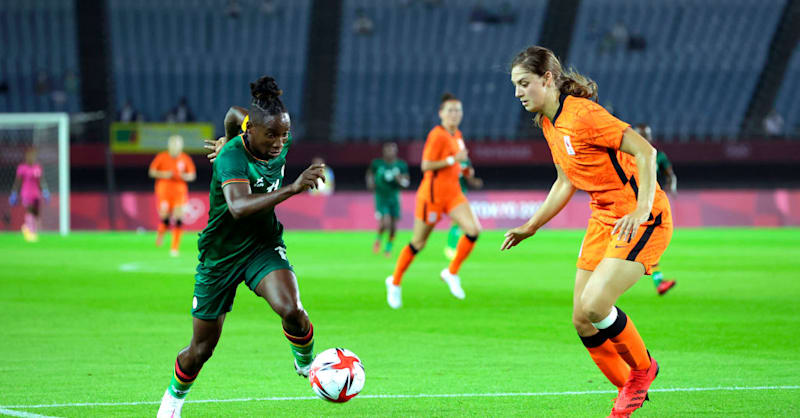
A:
[627,226]
[475,182]
[462,155]
[308,179]
[46,195]
[13,198]
[214,147]
[517,235]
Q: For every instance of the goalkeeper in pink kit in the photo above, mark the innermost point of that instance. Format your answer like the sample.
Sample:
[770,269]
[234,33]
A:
[30,188]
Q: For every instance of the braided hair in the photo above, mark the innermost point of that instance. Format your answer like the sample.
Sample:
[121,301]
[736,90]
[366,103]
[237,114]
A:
[266,99]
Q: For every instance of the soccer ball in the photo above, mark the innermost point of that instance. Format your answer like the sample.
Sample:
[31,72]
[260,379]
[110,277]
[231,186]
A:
[337,375]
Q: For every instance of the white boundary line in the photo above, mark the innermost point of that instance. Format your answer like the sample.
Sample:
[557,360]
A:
[9,412]
[413,396]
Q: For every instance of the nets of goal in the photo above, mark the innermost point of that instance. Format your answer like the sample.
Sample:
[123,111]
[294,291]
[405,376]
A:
[48,135]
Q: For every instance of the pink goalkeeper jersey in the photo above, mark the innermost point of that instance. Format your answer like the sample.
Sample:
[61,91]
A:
[31,176]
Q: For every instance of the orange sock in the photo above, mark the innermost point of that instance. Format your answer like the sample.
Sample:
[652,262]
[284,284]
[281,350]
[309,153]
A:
[607,359]
[465,245]
[162,228]
[626,339]
[403,261]
[176,236]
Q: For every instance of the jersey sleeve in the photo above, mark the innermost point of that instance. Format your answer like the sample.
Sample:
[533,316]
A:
[403,168]
[156,163]
[434,147]
[231,166]
[598,127]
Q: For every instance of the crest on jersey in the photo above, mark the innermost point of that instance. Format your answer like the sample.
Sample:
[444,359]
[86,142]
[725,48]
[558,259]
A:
[259,182]
[568,145]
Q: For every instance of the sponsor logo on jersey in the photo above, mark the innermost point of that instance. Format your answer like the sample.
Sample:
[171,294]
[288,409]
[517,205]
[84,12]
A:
[568,145]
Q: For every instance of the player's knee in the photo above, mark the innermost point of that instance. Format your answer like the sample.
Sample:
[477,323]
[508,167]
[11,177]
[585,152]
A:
[417,246]
[594,309]
[202,351]
[581,323]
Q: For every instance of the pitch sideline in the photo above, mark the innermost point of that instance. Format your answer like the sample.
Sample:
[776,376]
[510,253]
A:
[7,408]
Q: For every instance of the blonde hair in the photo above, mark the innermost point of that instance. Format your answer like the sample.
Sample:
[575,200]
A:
[539,60]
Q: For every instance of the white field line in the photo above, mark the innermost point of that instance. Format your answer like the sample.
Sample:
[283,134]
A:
[9,412]
[410,396]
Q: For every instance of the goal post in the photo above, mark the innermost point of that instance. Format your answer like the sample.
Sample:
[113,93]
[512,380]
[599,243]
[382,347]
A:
[19,131]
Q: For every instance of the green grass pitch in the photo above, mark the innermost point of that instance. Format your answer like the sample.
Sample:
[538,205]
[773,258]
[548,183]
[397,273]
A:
[97,318]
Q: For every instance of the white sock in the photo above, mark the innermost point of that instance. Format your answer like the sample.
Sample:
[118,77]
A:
[607,321]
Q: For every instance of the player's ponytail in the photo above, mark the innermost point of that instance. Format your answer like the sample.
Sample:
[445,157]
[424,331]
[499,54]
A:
[575,84]
[539,60]
[266,98]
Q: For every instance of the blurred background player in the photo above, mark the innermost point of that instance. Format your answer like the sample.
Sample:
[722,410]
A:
[172,169]
[669,182]
[243,241]
[467,180]
[327,187]
[385,177]
[439,194]
[630,225]
[30,187]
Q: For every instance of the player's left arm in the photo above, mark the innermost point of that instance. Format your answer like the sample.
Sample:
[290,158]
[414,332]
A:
[634,144]
[43,186]
[403,179]
[190,174]
[233,126]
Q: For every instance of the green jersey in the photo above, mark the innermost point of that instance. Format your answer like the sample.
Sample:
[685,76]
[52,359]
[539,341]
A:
[387,176]
[662,164]
[461,179]
[225,242]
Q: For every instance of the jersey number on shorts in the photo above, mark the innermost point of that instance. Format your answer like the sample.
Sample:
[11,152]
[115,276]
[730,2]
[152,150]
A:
[281,252]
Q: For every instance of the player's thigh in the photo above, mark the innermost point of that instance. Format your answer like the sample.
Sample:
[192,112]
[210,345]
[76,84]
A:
[420,233]
[177,211]
[465,218]
[611,278]
[271,276]
[582,323]
[163,205]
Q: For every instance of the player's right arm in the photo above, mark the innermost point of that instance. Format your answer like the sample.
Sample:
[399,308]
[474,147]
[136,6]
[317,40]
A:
[370,176]
[154,171]
[560,193]
[242,202]
[433,156]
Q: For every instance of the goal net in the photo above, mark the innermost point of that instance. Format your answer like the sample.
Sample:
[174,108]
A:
[48,135]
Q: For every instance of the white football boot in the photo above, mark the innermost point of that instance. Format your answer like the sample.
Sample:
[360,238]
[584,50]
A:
[393,294]
[302,371]
[170,406]
[454,283]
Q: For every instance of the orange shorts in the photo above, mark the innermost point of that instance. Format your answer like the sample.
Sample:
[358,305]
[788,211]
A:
[431,212]
[169,201]
[645,247]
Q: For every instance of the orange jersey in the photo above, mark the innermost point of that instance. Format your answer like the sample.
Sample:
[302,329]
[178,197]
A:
[584,140]
[444,182]
[180,165]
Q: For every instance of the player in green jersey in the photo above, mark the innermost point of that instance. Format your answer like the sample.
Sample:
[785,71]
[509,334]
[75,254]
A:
[669,182]
[243,241]
[386,176]
[467,180]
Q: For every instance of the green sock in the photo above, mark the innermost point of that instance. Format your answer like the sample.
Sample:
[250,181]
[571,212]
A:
[453,236]
[180,383]
[658,276]
[388,247]
[302,347]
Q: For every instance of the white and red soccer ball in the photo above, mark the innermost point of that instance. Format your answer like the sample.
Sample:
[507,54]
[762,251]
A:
[337,375]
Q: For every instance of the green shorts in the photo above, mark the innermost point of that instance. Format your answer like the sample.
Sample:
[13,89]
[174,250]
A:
[214,292]
[387,206]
